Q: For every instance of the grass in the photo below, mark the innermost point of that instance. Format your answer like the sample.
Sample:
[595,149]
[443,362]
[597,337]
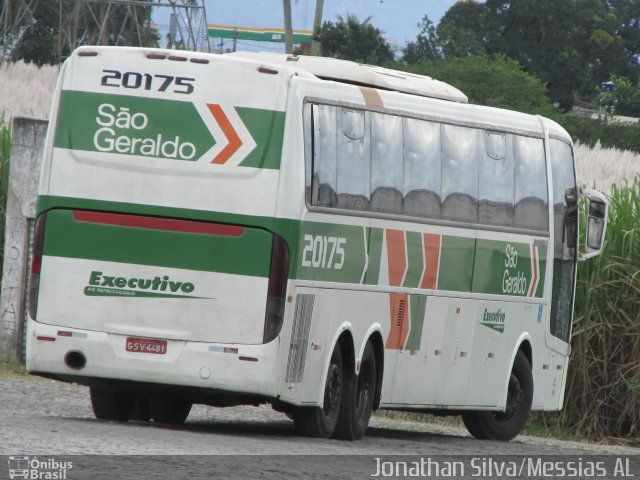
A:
[536,427]
[12,368]
[603,389]
[603,167]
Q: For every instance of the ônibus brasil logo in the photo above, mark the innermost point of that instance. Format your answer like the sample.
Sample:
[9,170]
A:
[35,468]
[101,285]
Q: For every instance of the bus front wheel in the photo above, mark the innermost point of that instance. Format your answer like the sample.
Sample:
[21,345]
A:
[504,426]
[321,421]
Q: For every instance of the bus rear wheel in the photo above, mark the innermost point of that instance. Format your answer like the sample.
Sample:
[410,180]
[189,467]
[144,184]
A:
[321,421]
[111,405]
[172,411]
[357,403]
[141,411]
[504,426]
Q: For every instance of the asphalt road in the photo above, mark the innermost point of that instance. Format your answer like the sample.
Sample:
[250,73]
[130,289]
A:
[51,421]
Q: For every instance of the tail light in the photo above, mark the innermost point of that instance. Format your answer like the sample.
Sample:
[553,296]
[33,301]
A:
[36,264]
[277,290]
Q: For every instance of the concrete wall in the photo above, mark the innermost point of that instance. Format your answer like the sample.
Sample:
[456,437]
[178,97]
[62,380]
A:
[27,145]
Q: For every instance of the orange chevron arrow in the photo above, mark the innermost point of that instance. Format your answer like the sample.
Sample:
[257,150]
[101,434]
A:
[232,136]
[534,276]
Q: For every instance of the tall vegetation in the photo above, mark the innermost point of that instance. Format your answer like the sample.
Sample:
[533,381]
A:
[603,384]
[496,81]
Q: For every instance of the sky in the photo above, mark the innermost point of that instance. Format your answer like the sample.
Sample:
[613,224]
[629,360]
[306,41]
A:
[398,19]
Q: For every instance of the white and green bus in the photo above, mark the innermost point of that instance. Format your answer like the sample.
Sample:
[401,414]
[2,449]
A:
[327,237]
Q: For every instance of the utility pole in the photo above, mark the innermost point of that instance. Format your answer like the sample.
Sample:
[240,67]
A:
[317,24]
[288,28]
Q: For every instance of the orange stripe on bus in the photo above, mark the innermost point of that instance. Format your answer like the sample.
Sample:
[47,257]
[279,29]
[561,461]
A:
[432,260]
[399,315]
[396,256]
[534,277]
[225,124]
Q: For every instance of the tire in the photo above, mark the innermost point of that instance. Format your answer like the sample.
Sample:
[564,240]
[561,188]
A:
[357,403]
[108,405]
[172,411]
[141,411]
[472,424]
[504,426]
[321,422]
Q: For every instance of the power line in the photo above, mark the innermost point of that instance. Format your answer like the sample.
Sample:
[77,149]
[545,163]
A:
[128,23]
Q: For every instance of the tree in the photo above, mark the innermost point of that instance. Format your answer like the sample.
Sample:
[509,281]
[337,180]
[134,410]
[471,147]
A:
[627,15]
[463,30]
[496,81]
[425,47]
[571,45]
[622,99]
[53,29]
[353,40]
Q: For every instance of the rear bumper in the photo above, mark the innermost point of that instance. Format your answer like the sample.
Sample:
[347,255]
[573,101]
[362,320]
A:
[233,368]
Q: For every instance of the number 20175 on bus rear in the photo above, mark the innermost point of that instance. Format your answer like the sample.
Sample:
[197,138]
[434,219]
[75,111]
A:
[327,237]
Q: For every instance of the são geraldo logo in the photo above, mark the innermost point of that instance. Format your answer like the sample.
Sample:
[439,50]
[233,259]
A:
[36,468]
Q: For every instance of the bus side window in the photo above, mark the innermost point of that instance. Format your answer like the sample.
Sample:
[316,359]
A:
[531,200]
[354,160]
[324,156]
[461,149]
[422,168]
[309,117]
[387,170]
[496,180]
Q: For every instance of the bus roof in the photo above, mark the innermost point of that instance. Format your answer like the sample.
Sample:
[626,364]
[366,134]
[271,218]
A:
[359,74]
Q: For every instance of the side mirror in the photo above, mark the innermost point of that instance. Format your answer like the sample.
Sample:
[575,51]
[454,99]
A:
[596,223]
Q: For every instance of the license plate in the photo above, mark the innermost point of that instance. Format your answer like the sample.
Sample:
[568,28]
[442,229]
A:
[145,345]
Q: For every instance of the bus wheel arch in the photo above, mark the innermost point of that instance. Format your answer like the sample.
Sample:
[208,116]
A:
[321,421]
[504,426]
[525,347]
[378,349]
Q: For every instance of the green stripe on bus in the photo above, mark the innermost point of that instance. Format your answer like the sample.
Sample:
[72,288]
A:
[248,254]
[267,129]
[456,263]
[459,270]
[141,126]
[417,308]
[375,254]
[542,256]
[505,268]
[146,126]
[331,252]
[415,257]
